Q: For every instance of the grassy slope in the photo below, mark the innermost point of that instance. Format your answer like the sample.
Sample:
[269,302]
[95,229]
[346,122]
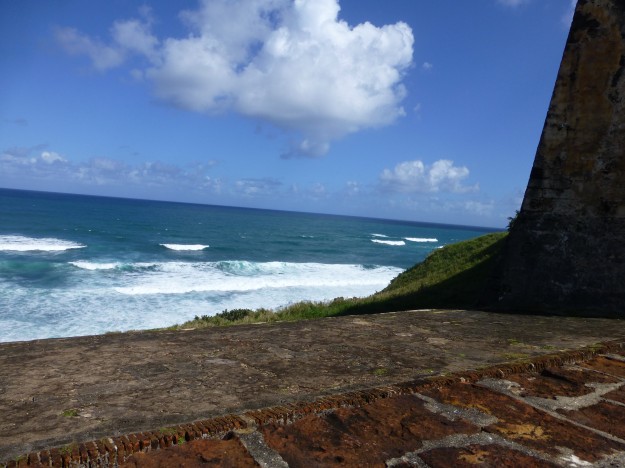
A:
[451,277]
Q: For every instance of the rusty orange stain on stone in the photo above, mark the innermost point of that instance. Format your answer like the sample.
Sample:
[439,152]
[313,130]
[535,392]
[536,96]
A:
[528,425]
[481,455]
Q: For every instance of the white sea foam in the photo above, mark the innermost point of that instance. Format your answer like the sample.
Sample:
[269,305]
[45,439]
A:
[242,276]
[185,246]
[106,296]
[388,242]
[379,235]
[11,243]
[421,239]
[95,266]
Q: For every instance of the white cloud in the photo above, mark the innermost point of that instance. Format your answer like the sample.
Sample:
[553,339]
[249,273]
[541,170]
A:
[427,66]
[416,177]
[134,36]
[102,56]
[257,187]
[353,188]
[294,64]
[51,157]
[23,164]
[128,37]
[318,190]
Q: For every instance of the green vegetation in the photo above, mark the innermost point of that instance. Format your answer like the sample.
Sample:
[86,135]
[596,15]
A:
[68,449]
[70,413]
[452,277]
[167,431]
[548,347]
[512,220]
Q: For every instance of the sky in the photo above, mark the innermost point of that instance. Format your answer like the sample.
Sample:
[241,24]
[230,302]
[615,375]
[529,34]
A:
[415,110]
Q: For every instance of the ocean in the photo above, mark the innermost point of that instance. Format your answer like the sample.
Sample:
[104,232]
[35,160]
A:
[74,265]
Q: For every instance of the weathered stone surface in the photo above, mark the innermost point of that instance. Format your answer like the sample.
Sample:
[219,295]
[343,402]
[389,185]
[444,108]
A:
[551,383]
[526,425]
[605,416]
[480,417]
[117,383]
[366,436]
[481,455]
[565,252]
[607,366]
[225,453]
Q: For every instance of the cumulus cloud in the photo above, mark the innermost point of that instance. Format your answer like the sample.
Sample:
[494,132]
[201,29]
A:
[292,63]
[25,157]
[127,38]
[417,177]
[51,157]
[257,187]
[102,56]
[25,164]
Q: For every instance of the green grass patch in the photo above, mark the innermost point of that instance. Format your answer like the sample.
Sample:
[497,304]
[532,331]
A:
[452,277]
[167,431]
[68,449]
[70,413]
[548,347]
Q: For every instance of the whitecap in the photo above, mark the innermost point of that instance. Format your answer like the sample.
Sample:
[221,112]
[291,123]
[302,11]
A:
[159,294]
[95,266]
[379,235]
[181,247]
[421,239]
[388,242]
[244,276]
[14,243]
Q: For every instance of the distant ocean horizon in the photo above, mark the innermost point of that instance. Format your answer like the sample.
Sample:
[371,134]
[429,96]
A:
[74,265]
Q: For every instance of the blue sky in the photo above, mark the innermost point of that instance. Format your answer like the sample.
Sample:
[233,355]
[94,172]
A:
[407,109]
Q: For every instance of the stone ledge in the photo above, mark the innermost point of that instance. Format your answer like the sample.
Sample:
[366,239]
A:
[114,451]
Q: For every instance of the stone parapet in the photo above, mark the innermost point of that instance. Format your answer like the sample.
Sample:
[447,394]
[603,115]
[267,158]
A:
[566,250]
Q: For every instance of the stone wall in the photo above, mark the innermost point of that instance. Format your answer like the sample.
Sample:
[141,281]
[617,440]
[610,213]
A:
[566,250]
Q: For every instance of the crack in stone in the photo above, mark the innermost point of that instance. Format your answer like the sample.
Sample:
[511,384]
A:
[504,388]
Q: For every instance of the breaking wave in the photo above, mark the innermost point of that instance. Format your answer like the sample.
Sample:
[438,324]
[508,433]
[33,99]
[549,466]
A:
[388,242]
[92,266]
[242,276]
[183,247]
[11,243]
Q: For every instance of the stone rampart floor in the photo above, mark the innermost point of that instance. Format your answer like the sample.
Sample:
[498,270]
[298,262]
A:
[422,388]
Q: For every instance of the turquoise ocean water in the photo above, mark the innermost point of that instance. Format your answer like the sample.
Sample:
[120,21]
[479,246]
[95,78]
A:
[78,265]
